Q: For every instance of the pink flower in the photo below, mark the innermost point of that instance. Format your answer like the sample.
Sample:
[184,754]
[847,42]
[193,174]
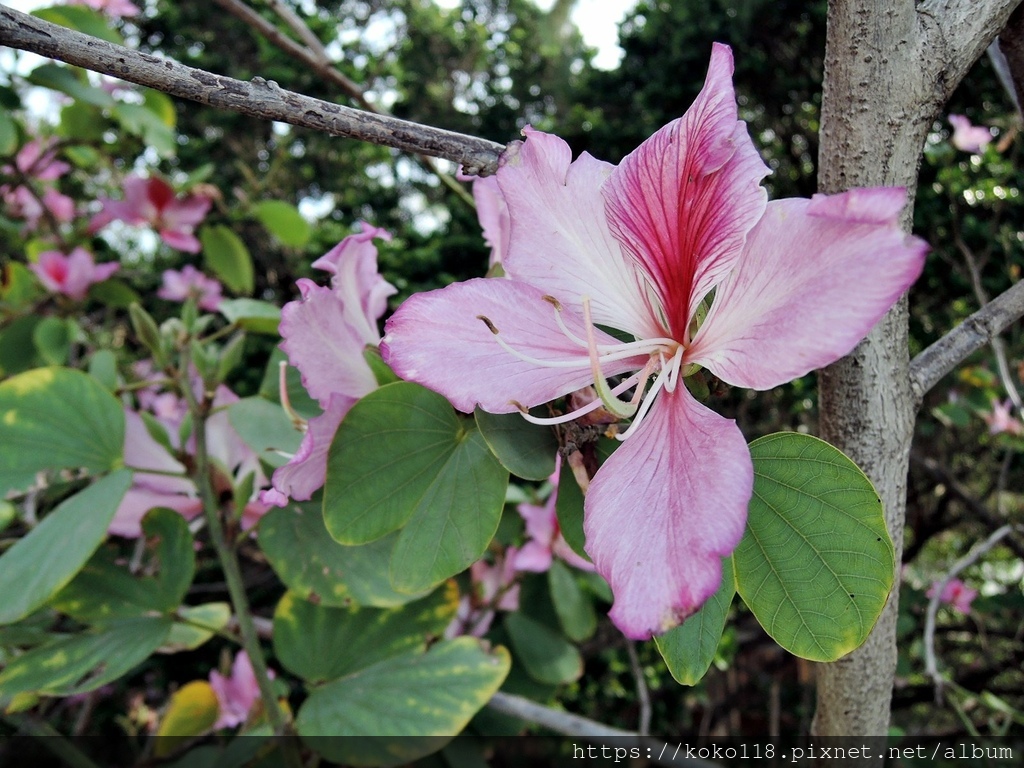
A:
[36,161]
[955,594]
[494,588]
[967,137]
[179,286]
[152,201]
[545,537]
[325,334]
[236,694]
[72,274]
[1001,419]
[642,248]
[113,8]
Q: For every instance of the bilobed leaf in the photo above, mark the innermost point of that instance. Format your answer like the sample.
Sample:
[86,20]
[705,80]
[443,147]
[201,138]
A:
[424,699]
[815,565]
[524,449]
[283,221]
[320,569]
[84,662]
[544,653]
[227,257]
[402,457]
[252,315]
[56,418]
[319,643]
[690,648]
[46,559]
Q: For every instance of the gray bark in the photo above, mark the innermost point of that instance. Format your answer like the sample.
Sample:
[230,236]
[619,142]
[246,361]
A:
[889,68]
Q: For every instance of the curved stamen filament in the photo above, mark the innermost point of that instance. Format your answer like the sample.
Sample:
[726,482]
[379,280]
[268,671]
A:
[673,373]
[647,403]
[546,421]
[286,403]
[615,406]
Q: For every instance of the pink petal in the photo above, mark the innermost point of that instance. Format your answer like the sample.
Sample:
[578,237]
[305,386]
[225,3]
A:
[185,213]
[533,557]
[325,348]
[683,201]
[181,240]
[306,471]
[664,509]
[967,137]
[541,521]
[560,241]
[815,277]
[493,213]
[139,500]
[437,339]
[61,206]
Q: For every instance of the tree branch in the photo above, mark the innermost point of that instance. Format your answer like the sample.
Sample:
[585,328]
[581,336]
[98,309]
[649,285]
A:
[258,98]
[971,335]
[1011,45]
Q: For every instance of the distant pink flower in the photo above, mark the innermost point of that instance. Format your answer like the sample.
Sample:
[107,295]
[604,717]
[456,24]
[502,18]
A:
[1001,419]
[237,693]
[36,162]
[545,537]
[642,248]
[956,594]
[493,588]
[152,201]
[72,274]
[325,334]
[113,8]
[967,137]
[190,282]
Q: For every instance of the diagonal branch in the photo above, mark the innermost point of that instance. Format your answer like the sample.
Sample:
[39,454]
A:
[971,335]
[258,98]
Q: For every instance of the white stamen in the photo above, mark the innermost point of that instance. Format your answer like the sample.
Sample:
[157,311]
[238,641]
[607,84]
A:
[582,411]
[652,393]
[673,374]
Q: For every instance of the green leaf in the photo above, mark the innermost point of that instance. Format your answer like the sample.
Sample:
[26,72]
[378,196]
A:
[81,663]
[17,352]
[227,257]
[56,418]
[71,81]
[18,286]
[252,315]
[81,19]
[82,122]
[162,106]
[690,648]
[284,222]
[815,565]
[103,368]
[141,121]
[266,428]
[320,569]
[41,563]
[318,643]
[431,696]
[450,489]
[569,510]
[114,293]
[52,338]
[545,654]
[195,626]
[524,449]
[8,134]
[381,371]
[574,607]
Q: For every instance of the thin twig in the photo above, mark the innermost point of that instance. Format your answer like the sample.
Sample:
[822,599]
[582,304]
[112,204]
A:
[258,98]
[971,335]
[930,662]
[567,724]
[642,694]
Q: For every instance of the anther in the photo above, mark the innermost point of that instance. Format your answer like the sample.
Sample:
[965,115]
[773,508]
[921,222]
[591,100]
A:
[553,302]
[488,323]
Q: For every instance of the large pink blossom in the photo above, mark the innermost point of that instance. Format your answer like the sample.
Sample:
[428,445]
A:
[325,335]
[643,248]
[71,274]
[152,201]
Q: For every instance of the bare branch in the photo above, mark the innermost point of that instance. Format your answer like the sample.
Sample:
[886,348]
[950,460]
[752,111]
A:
[259,98]
[971,335]
[1011,46]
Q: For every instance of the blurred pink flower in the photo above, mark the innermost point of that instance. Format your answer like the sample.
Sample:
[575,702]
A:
[72,274]
[113,8]
[236,694]
[493,588]
[1001,419]
[325,334]
[967,137]
[152,201]
[36,161]
[179,286]
[956,594]
[545,537]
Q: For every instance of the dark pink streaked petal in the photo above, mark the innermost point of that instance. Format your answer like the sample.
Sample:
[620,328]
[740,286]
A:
[815,277]
[683,201]
[437,339]
[560,241]
[185,213]
[663,511]
[306,471]
[323,346]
